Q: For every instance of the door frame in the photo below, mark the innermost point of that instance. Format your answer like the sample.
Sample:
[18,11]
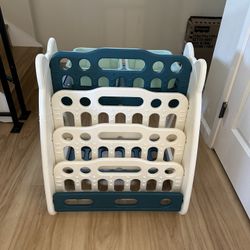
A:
[209,134]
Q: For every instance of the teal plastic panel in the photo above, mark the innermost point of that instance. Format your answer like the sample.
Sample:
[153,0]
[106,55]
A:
[95,68]
[117,201]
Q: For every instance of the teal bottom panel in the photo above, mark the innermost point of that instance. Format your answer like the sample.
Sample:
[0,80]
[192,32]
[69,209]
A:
[117,201]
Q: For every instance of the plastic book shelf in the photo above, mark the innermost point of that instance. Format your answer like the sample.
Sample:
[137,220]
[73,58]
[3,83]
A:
[119,128]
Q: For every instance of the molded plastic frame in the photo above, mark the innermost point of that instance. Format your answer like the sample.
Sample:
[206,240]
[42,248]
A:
[105,201]
[95,72]
[146,109]
[191,129]
[94,174]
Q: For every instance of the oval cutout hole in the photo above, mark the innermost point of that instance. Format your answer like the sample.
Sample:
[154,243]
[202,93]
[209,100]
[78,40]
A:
[171,138]
[109,63]
[120,136]
[120,152]
[68,170]
[118,169]
[156,103]
[84,64]
[103,118]
[103,185]
[69,185]
[103,81]
[67,82]
[86,184]
[137,118]
[85,136]
[152,154]
[151,185]
[154,137]
[79,202]
[153,170]
[136,152]
[158,66]
[165,201]
[85,81]
[86,119]
[119,185]
[176,67]
[103,152]
[154,121]
[68,119]
[135,64]
[120,118]
[172,83]
[85,170]
[65,63]
[170,171]
[170,121]
[69,153]
[155,83]
[173,103]
[126,201]
[86,153]
[138,82]
[67,136]
[168,154]
[67,101]
[167,185]
[85,101]
[135,185]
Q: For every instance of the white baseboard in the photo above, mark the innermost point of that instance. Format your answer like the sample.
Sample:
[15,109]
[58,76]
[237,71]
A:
[20,38]
[4,108]
[205,131]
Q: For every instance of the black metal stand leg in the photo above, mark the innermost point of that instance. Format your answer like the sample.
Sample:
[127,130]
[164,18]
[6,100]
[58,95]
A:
[17,125]
[24,112]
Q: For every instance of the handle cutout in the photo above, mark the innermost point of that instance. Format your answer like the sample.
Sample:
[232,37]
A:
[120,101]
[81,202]
[120,136]
[126,201]
[118,169]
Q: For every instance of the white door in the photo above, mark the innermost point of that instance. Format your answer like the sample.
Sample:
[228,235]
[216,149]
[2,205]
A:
[232,143]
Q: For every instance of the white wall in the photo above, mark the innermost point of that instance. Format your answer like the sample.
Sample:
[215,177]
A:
[225,59]
[123,23]
[17,14]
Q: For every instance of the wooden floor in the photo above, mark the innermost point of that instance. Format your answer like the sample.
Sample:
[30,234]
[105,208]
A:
[215,219]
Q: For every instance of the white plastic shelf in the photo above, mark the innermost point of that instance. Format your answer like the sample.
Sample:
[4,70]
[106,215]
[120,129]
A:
[92,175]
[107,124]
[158,106]
[119,140]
